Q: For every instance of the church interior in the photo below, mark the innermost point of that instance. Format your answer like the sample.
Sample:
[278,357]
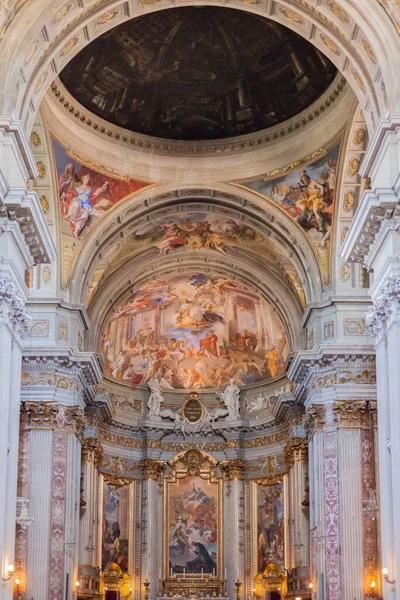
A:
[199,299]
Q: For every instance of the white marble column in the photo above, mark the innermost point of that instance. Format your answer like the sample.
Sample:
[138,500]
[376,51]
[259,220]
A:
[152,525]
[234,526]
[92,452]
[296,453]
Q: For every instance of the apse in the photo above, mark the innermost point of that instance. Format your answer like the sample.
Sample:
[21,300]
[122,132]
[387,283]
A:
[196,73]
[194,331]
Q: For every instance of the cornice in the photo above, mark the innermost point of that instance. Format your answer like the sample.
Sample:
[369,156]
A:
[83,364]
[74,110]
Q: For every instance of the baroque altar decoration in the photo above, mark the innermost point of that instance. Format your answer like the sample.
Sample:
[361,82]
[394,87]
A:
[193,521]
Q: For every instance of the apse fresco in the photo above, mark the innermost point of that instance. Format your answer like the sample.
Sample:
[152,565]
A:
[270,525]
[194,331]
[307,195]
[115,526]
[192,526]
[191,231]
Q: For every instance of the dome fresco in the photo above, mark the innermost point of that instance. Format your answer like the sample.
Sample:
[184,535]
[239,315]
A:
[194,331]
[194,73]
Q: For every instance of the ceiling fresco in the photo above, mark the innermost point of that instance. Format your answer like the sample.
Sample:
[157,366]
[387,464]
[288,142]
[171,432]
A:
[193,230]
[86,191]
[196,73]
[194,331]
[307,195]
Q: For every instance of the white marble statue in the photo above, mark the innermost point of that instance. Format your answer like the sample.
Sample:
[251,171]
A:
[230,397]
[156,398]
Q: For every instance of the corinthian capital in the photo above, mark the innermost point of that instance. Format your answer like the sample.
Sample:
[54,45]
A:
[233,469]
[12,307]
[296,450]
[386,307]
[314,419]
[92,450]
[152,469]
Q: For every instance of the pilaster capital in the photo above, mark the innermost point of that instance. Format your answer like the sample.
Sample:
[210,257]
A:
[386,307]
[152,468]
[53,416]
[314,419]
[92,450]
[296,450]
[233,469]
[12,307]
[354,413]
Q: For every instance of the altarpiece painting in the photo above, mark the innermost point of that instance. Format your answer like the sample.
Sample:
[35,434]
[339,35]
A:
[270,525]
[115,526]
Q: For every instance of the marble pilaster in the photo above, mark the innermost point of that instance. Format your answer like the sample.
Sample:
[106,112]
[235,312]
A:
[152,521]
[92,452]
[296,455]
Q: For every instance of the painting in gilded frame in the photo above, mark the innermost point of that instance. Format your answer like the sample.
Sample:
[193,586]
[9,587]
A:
[192,526]
[115,527]
[307,195]
[270,525]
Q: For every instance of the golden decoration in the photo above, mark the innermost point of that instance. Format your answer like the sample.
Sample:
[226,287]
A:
[29,278]
[359,136]
[41,82]
[358,80]
[107,17]
[384,93]
[330,44]
[44,203]
[47,274]
[368,50]
[343,236]
[62,332]
[126,590]
[152,469]
[233,469]
[64,10]
[35,139]
[41,169]
[349,200]
[314,419]
[338,11]
[354,165]
[296,450]
[31,52]
[92,450]
[345,272]
[351,413]
[291,15]
[69,45]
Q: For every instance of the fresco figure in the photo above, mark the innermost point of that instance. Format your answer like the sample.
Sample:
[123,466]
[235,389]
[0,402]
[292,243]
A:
[80,207]
[271,359]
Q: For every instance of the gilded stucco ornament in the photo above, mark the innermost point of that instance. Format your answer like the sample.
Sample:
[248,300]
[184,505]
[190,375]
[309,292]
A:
[152,469]
[12,307]
[92,450]
[353,413]
[314,419]
[296,450]
[233,469]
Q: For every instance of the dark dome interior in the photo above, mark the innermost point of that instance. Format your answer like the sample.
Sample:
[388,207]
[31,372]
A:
[198,73]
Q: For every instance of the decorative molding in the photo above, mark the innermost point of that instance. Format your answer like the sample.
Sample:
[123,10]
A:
[12,307]
[154,145]
[296,450]
[314,419]
[354,326]
[54,416]
[194,463]
[350,413]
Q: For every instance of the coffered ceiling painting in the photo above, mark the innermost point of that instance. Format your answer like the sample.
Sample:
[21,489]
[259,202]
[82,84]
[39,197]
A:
[87,190]
[196,73]
[305,190]
[195,228]
[194,331]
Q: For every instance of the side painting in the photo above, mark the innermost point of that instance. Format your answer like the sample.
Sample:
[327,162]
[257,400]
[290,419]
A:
[270,526]
[192,526]
[86,191]
[307,195]
[115,527]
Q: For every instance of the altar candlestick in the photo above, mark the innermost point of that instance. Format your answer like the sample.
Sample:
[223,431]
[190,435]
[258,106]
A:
[202,572]
[184,573]
[225,574]
[171,572]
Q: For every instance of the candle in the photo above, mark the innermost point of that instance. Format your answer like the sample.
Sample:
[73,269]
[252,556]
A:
[202,572]
[159,574]
[171,572]
[225,574]
[184,572]
[213,572]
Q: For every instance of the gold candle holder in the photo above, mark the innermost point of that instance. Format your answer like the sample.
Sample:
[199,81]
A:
[238,586]
[146,589]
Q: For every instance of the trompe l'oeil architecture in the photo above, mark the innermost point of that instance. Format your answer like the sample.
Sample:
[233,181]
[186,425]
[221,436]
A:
[199,300]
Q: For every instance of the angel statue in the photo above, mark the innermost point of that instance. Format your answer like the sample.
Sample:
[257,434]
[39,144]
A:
[155,399]
[230,397]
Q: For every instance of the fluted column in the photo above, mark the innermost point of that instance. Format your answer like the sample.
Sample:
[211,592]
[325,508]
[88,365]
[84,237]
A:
[234,524]
[92,453]
[152,524]
[53,486]
[296,453]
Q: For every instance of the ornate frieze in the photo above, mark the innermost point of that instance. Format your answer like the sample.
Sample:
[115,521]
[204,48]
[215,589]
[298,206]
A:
[296,450]
[92,450]
[386,307]
[12,307]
